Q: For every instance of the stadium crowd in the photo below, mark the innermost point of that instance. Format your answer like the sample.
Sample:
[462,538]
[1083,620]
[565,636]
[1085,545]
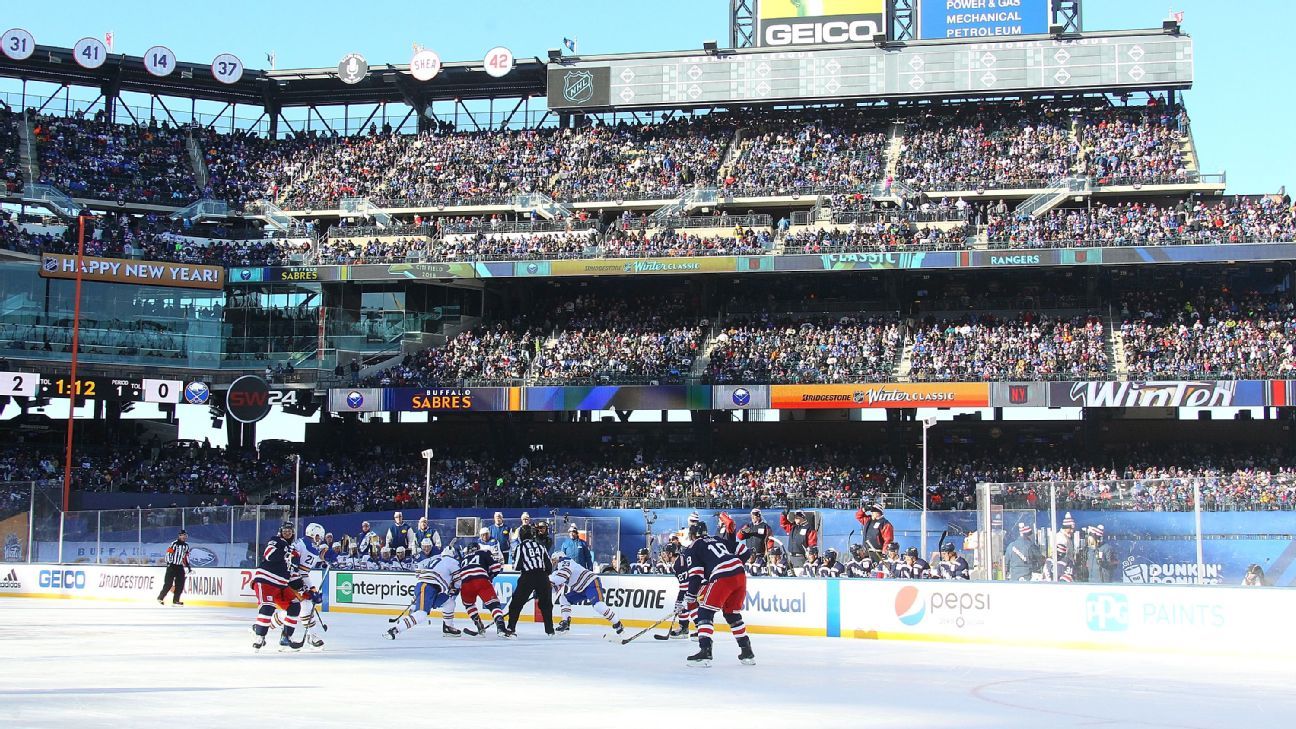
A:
[878,236]
[671,243]
[790,351]
[786,152]
[1239,220]
[598,339]
[10,173]
[93,158]
[1031,346]
[1210,335]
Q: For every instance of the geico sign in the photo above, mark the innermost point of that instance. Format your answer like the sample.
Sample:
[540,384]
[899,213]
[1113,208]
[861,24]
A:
[830,31]
[62,579]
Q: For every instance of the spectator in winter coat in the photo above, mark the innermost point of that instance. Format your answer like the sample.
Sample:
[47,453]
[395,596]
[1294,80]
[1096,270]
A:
[576,549]
[1023,557]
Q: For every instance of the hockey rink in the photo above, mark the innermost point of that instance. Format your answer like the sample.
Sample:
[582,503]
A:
[113,665]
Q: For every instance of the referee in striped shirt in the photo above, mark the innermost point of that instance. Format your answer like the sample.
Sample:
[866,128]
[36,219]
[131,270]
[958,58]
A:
[532,561]
[177,561]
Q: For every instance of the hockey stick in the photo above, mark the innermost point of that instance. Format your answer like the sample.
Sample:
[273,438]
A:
[319,617]
[669,629]
[645,630]
[403,613]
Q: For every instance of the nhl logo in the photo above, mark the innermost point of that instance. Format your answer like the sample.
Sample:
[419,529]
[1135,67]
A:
[49,264]
[578,87]
[858,396]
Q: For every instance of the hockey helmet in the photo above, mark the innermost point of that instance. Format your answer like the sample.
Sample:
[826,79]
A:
[912,552]
[287,526]
[697,530]
[830,554]
[670,549]
[643,552]
[315,531]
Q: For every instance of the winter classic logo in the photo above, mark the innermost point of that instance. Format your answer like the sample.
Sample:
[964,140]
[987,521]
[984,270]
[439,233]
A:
[909,607]
[11,581]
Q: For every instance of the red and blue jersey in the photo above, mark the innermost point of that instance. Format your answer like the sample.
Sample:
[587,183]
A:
[710,558]
[278,561]
[480,565]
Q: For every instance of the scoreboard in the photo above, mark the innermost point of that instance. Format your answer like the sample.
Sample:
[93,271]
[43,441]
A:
[29,384]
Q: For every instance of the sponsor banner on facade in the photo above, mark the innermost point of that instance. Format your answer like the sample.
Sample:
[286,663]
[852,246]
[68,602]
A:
[978,19]
[618,397]
[881,395]
[880,261]
[1019,394]
[1168,394]
[124,271]
[740,397]
[635,266]
[819,22]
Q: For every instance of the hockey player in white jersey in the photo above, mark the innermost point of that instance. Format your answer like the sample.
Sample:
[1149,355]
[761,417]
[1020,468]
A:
[435,590]
[576,585]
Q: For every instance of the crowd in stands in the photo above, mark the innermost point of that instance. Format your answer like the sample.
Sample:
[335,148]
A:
[1156,478]
[797,152]
[880,236]
[1210,335]
[794,351]
[495,353]
[672,243]
[94,158]
[1125,145]
[1238,220]
[987,146]
[632,338]
[1030,346]
[11,176]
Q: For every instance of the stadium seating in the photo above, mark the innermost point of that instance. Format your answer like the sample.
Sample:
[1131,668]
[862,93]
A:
[92,158]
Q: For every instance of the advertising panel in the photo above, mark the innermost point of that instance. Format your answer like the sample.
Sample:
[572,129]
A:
[136,553]
[1019,394]
[617,397]
[881,395]
[1168,394]
[567,86]
[740,397]
[204,586]
[123,271]
[973,19]
[819,22]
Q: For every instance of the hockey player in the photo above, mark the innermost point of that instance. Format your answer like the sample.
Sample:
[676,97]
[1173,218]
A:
[756,566]
[435,590]
[575,585]
[277,588]
[830,567]
[1058,570]
[402,563]
[489,543]
[306,558]
[776,565]
[716,578]
[477,567]
[811,566]
[1023,558]
[643,565]
[913,567]
[890,565]
[672,555]
[952,566]
[860,565]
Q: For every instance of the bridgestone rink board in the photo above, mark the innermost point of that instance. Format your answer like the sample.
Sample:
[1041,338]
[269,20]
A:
[100,664]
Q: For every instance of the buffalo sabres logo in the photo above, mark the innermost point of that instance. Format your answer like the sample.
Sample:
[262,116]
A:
[578,87]
[741,397]
[354,399]
[197,393]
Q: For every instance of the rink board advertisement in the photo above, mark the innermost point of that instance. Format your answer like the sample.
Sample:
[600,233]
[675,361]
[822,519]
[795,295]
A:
[880,395]
[1186,619]
[202,554]
[785,606]
[975,19]
[214,587]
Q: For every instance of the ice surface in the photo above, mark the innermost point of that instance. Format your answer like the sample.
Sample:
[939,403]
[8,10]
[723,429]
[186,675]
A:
[89,664]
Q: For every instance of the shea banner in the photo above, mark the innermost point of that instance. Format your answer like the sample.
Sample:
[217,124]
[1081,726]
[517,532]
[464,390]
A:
[887,395]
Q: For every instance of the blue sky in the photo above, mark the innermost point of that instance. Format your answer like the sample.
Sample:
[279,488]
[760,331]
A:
[1239,106]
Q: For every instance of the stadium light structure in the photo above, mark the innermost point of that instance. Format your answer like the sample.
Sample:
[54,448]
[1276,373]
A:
[427,481]
[711,47]
[922,549]
[555,55]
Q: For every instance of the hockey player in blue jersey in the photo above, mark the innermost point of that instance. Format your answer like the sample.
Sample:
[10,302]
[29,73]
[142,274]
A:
[575,585]
[672,556]
[717,582]
[644,565]
[952,566]
[913,567]
[830,567]
[477,567]
[860,565]
[435,590]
